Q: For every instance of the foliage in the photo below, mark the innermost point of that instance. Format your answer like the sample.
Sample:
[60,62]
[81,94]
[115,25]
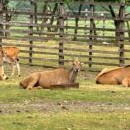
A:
[25,3]
[100,0]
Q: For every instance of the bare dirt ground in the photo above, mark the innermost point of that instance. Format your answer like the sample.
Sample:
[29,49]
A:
[54,107]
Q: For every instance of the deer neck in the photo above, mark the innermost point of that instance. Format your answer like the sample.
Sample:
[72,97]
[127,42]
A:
[73,75]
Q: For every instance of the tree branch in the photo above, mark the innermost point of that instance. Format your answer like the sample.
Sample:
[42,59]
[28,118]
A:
[112,11]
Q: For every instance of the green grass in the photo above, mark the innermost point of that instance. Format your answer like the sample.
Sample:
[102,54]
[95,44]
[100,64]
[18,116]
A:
[66,121]
[89,92]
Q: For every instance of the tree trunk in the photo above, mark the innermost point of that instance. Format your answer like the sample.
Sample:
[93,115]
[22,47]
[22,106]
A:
[52,18]
[7,19]
[1,20]
[35,15]
[77,21]
[116,22]
[44,19]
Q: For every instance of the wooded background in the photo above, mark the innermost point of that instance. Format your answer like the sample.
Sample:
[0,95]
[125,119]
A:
[51,33]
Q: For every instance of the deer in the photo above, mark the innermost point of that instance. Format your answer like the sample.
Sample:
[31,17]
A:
[11,55]
[2,74]
[50,78]
[114,76]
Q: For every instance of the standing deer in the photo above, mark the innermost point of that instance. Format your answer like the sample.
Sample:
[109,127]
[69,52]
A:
[46,79]
[11,55]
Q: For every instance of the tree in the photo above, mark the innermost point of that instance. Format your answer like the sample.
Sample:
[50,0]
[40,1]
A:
[116,15]
[110,9]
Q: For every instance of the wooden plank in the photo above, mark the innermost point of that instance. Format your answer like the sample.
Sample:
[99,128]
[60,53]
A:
[65,85]
[58,33]
[69,38]
[55,60]
[56,53]
[106,64]
[23,24]
[65,48]
[65,39]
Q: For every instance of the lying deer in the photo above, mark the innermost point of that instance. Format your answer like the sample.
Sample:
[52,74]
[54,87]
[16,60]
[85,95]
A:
[50,78]
[11,56]
[118,75]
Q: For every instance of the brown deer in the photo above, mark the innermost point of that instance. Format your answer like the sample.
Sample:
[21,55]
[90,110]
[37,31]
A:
[118,75]
[11,55]
[50,78]
[126,81]
[2,74]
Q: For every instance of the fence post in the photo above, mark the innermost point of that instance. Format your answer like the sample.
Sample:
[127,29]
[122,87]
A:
[1,20]
[91,34]
[61,31]
[30,36]
[121,36]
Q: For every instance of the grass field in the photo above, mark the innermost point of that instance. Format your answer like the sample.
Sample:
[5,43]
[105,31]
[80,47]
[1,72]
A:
[91,107]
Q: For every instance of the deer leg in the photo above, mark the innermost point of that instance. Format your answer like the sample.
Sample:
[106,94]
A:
[3,73]
[3,70]
[18,68]
[125,82]
[13,71]
[32,82]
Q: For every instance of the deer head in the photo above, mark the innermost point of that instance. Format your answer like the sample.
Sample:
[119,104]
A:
[76,65]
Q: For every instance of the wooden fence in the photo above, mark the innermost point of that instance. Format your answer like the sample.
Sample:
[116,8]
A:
[54,35]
